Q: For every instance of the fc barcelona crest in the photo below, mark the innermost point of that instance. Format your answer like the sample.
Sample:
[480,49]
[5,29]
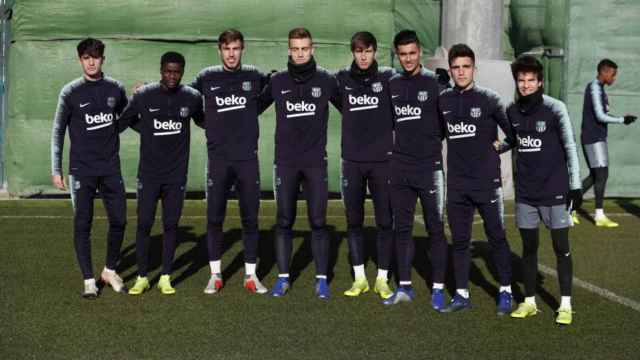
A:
[541,126]
[316,92]
[111,102]
[476,112]
[423,96]
[246,85]
[184,112]
[376,87]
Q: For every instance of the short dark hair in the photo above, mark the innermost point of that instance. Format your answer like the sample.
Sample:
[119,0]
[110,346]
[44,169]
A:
[405,37]
[229,36]
[527,64]
[300,33]
[363,39]
[461,50]
[172,57]
[606,63]
[92,47]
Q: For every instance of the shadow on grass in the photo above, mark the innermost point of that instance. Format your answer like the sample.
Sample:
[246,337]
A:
[629,206]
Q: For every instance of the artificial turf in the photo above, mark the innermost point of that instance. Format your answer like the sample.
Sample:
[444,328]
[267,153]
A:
[44,317]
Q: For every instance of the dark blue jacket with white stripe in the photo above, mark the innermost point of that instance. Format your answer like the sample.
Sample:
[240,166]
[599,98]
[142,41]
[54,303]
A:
[367,124]
[231,110]
[90,109]
[162,117]
[547,163]
[417,125]
[595,114]
[471,119]
[302,113]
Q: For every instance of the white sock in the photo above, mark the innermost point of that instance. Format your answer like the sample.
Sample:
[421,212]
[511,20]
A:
[358,272]
[506,288]
[88,282]
[215,266]
[463,292]
[321,277]
[405,283]
[383,274]
[249,268]
[599,214]
[438,286]
[531,300]
[286,276]
[565,302]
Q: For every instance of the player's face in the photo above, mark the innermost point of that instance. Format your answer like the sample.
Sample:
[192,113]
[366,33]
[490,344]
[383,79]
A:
[608,75]
[462,70]
[171,75]
[91,66]
[231,54]
[364,57]
[409,56]
[300,50]
[528,83]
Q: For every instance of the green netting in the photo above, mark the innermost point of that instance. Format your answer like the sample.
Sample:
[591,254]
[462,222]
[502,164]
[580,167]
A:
[188,20]
[599,29]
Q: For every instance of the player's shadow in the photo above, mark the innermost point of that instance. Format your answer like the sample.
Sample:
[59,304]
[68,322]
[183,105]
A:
[196,256]
[482,250]
[629,206]
[423,264]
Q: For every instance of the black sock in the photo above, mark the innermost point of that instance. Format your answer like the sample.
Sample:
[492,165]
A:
[530,240]
[601,175]
[564,264]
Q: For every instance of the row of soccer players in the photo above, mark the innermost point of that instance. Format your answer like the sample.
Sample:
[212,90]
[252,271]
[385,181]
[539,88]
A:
[393,125]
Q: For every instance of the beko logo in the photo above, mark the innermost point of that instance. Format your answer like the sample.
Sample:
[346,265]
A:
[407,112]
[300,109]
[461,130]
[365,102]
[231,103]
[529,144]
[171,127]
[102,119]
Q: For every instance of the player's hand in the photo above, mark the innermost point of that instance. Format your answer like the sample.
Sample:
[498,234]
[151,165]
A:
[574,199]
[137,85]
[629,119]
[58,182]
[443,76]
[496,145]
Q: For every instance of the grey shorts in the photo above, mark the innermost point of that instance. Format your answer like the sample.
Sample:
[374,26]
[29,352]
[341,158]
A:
[597,154]
[553,217]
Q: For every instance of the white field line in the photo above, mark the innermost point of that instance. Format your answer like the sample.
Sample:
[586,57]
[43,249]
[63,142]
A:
[607,294]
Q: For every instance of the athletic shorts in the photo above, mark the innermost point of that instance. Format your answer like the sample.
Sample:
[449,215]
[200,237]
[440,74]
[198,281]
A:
[553,217]
[597,154]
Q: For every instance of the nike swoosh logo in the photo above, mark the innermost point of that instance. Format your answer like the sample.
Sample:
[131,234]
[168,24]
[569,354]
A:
[347,88]
[516,125]
[85,104]
[285,92]
[446,112]
[154,110]
[394,96]
[494,200]
[214,88]
[432,191]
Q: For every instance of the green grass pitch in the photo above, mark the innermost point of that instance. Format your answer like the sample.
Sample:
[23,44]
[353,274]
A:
[42,315]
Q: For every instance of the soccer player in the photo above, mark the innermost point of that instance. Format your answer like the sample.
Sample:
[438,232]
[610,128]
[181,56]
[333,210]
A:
[301,95]
[471,117]
[89,107]
[595,120]
[547,180]
[161,113]
[367,141]
[416,166]
[231,93]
